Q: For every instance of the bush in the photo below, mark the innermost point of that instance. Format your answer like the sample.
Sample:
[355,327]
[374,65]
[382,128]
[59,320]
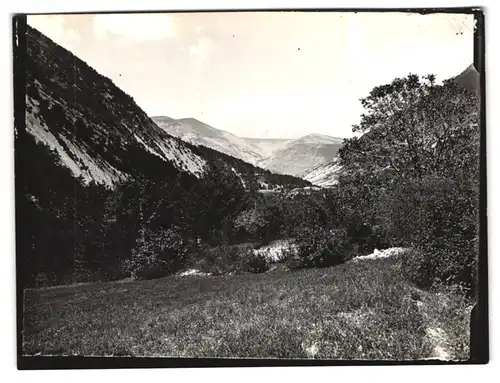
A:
[116,271]
[225,260]
[416,267]
[439,218]
[318,247]
[431,267]
[256,263]
[157,254]
[221,260]
[366,238]
[250,223]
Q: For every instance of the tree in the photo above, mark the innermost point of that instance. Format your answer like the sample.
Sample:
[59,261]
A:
[225,197]
[414,127]
[411,176]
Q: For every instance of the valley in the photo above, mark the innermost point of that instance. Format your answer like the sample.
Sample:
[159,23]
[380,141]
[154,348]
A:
[149,236]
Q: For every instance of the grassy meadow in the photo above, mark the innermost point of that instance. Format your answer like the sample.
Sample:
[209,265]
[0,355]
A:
[358,310]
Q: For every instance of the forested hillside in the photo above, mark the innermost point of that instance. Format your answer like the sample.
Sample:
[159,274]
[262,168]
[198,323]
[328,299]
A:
[106,186]
[409,179]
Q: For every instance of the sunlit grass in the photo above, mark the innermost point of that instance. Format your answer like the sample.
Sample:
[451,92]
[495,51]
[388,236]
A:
[363,310]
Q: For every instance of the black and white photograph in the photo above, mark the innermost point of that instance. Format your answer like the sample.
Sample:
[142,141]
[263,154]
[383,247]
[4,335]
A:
[247,187]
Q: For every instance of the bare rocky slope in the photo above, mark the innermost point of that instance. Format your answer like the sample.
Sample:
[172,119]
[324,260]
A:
[97,130]
[199,133]
[324,175]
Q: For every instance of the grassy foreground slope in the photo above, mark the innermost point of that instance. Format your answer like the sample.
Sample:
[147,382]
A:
[359,310]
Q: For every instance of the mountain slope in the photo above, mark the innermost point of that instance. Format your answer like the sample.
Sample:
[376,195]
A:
[97,130]
[324,175]
[284,156]
[296,156]
[469,78]
[268,146]
[199,133]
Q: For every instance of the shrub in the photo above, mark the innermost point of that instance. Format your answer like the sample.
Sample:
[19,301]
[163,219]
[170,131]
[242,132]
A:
[318,247]
[117,270]
[221,260]
[364,237]
[416,267]
[81,276]
[433,266]
[256,263]
[157,254]
[439,217]
[225,260]
[250,223]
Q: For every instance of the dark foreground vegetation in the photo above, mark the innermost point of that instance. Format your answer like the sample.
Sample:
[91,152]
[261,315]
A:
[359,310]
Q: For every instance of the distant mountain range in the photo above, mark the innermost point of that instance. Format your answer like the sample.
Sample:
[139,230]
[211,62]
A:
[268,145]
[198,133]
[102,136]
[296,156]
[285,156]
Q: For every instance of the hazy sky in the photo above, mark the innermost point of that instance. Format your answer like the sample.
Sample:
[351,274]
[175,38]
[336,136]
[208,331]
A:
[266,74]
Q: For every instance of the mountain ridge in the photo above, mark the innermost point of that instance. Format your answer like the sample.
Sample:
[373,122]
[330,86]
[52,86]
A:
[197,132]
[285,156]
[469,78]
